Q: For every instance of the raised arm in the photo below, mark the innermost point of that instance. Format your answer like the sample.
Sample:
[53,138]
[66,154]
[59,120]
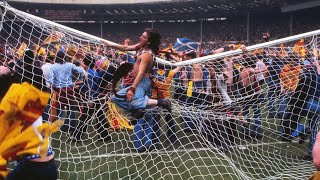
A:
[122,47]
[260,70]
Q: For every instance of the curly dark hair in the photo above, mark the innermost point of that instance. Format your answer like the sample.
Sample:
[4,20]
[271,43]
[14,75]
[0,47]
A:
[154,38]
[89,61]
[60,57]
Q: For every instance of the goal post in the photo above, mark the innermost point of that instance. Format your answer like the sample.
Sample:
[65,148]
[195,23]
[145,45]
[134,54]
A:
[236,115]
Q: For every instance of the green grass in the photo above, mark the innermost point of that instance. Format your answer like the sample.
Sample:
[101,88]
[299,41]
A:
[189,158]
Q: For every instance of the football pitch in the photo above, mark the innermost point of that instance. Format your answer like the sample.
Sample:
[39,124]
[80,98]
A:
[191,157]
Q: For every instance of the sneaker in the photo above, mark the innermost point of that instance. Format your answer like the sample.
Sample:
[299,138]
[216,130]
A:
[286,138]
[139,113]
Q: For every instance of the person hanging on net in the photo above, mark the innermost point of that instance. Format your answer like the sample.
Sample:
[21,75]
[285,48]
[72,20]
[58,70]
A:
[136,97]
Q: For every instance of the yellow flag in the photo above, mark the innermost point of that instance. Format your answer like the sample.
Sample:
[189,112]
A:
[189,90]
[283,52]
[54,37]
[57,47]
[299,49]
[42,51]
[21,49]
[168,48]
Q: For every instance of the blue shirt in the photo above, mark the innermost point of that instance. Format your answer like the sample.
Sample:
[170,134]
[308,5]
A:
[94,81]
[97,82]
[61,74]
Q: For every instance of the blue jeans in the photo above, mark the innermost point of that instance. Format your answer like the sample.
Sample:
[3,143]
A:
[144,134]
[283,106]
[254,103]
[69,119]
[283,112]
[170,126]
[273,93]
[46,113]
[140,98]
[313,105]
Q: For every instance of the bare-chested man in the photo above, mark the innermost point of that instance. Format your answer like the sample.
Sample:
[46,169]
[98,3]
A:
[252,97]
[137,95]
[197,76]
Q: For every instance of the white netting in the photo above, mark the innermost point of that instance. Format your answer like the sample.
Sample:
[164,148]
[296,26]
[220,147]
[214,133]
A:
[223,126]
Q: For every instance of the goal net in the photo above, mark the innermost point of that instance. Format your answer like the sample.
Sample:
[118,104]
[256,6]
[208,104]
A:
[247,114]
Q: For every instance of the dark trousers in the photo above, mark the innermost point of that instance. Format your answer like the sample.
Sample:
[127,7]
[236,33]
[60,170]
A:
[29,170]
[89,110]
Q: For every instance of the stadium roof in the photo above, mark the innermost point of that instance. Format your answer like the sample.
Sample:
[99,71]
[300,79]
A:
[139,10]
[89,1]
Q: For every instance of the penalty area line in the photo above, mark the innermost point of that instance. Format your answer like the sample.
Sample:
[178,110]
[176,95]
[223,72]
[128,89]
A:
[159,152]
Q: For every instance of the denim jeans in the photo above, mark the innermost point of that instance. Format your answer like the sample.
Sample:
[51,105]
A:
[89,111]
[313,105]
[170,126]
[144,132]
[273,93]
[283,106]
[69,118]
[140,98]
[254,103]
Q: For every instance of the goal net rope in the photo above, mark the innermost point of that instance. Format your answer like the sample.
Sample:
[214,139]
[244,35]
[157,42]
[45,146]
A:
[239,114]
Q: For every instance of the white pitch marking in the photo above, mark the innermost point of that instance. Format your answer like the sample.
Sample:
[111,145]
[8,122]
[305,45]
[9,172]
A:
[162,152]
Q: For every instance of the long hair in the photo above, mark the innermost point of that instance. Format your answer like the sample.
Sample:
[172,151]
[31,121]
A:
[28,58]
[122,71]
[6,80]
[154,38]
[89,61]
[60,57]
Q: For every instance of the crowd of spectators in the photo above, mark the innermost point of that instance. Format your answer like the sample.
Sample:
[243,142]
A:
[78,88]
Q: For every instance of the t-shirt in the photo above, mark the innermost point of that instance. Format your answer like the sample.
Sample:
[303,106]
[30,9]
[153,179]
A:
[222,87]
[260,65]
[46,68]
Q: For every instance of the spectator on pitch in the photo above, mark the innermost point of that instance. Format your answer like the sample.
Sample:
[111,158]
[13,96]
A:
[28,72]
[61,78]
[260,66]
[46,69]
[93,104]
[187,96]
[313,106]
[274,87]
[250,91]
[162,79]
[296,81]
